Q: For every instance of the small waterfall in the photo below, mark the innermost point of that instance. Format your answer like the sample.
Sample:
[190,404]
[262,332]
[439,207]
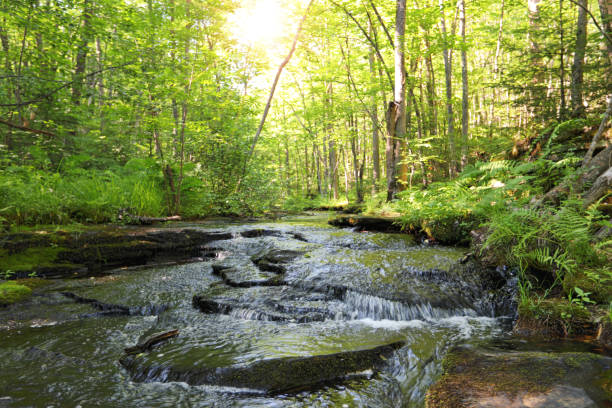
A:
[374,307]
[250,314]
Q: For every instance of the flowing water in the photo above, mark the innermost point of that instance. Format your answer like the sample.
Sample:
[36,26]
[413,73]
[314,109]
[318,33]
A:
[297,288]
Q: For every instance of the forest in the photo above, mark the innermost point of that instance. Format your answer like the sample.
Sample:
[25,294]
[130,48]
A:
[473,123]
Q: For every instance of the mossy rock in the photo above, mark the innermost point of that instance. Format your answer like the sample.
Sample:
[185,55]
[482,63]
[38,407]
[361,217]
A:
[367,223]
[270,376]
[29,259]
[12,292]
[554,317]
[450,230]
[485,377]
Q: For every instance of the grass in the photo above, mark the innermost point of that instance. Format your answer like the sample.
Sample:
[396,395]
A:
[12,292]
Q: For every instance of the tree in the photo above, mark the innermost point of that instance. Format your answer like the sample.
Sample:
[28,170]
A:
[396,113]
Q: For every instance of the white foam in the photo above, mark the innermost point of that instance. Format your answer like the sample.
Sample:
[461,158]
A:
[390,324]
[467,325]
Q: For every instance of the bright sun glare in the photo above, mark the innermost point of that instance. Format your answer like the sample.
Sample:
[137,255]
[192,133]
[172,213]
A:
[260,22]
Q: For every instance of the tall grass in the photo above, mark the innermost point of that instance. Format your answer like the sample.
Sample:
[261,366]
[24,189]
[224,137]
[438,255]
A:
[30,196]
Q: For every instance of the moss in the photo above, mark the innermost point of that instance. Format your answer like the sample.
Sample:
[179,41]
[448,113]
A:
[11,292]
[33,283]
[554,317]
[470,374]
[29,259]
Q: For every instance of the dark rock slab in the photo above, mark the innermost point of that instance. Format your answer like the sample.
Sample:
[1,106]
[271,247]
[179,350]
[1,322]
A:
[364,223]
[283,304]
[480,377]
[275,260]
[271,376]
[245,275]
[63,254]
[256,233]
[109,309]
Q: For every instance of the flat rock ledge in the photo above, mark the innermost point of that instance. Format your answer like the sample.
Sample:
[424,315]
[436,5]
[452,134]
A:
[364,223]
[61,254]
[269,376]
[484,378]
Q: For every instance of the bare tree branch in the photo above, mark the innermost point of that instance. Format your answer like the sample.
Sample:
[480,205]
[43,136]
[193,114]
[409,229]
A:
[27,129]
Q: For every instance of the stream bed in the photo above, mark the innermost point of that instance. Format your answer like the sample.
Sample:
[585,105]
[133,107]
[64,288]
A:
[291,313]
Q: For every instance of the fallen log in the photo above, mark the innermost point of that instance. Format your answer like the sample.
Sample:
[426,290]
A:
[150,342]
[596,167]
[600,188]
[132,219]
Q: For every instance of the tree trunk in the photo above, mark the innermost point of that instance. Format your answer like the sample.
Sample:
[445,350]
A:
[578,64]
[396,116]
[605,8]
[464,80]
[81,57]
[535,90]
[449,95]
[375,138]
[563,107]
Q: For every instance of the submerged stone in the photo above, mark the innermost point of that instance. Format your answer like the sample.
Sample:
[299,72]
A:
[271,376]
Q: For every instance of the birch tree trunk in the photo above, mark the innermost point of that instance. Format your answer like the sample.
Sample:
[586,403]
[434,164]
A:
[396,115]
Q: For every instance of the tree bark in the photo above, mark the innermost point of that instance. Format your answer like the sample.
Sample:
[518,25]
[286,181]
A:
[563,107]
[464,80]
[597,166]
[375,138]
[396,116]
[600,187]
[605,8]
[602,127]
[449,94]
[81,57]
[535,90]
[578,64]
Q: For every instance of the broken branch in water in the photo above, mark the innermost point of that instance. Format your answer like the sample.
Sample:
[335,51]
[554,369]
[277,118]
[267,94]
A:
[150,342]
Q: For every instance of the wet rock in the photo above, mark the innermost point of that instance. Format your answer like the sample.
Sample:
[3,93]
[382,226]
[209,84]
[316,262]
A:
[246,275]
[271,376]
[284,304]
[479,377]
[363,223]
[256,233]
[275,260]
[109,309]
[76,254]
[298,236]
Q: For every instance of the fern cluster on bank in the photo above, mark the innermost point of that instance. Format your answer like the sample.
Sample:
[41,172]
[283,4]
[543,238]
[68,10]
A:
[552,247]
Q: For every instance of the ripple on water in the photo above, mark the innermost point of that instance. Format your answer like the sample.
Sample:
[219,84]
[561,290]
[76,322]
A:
[390,292]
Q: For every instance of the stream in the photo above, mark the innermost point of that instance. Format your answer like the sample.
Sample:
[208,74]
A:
[288,313]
